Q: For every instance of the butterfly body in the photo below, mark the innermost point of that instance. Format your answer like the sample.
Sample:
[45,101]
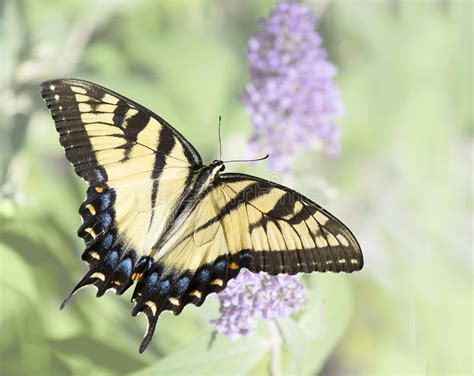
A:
[155,215]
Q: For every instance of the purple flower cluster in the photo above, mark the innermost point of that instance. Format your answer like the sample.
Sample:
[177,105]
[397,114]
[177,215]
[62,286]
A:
[256,295]
[292,98]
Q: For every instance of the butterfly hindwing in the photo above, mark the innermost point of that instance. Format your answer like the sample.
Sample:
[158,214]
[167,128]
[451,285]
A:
[189,265]
[136,165]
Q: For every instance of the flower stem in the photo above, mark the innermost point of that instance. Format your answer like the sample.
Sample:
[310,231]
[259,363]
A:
[275,352]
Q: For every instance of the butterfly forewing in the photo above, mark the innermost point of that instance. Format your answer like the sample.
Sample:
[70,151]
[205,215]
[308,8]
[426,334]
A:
[138,168]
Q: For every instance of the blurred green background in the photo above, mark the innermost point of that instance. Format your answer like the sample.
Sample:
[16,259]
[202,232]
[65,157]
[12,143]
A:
[403,184]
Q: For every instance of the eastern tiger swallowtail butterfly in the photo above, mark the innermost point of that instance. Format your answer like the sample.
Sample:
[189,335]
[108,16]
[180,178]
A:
[156,215]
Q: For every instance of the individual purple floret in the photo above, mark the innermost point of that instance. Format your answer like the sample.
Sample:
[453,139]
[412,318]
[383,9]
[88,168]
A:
[292,99]
[256,295]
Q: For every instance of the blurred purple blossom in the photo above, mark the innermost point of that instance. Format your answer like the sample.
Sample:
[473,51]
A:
[256,295]
[292,99]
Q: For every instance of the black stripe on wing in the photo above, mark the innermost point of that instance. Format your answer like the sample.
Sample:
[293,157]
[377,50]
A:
[61,101]
[326,244]
[64,98]
[166,144]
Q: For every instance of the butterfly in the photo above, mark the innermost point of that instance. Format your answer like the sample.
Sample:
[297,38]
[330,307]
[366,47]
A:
[156,216]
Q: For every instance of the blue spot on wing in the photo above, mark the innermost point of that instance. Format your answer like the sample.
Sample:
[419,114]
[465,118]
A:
[112,258]
[220,266]
[151,280]
[105,220]
[164,286]
[203,275]
[105,200]
[108,240]
[125,266]
[99,176]
[182,284]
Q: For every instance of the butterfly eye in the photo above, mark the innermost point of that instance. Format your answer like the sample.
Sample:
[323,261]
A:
[222,168]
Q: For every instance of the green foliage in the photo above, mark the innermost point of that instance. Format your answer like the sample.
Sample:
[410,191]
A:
[223,358]
[404,185]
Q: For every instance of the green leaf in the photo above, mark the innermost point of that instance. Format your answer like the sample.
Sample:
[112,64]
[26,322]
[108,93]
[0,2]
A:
[310,340]
[100,354]
[15,277]
[223,358]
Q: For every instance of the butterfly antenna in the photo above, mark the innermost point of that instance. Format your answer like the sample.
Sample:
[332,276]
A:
[220,141]
[248,160]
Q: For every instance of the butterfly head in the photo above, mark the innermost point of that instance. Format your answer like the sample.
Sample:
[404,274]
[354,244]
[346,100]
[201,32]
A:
[217,165]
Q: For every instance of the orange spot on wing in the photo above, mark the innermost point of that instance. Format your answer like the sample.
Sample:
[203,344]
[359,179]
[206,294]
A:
[137,276]
[233,266]
[99,189]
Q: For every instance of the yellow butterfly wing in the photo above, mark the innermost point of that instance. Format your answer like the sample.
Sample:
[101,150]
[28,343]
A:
[281,231]
[138,168]
[242,221]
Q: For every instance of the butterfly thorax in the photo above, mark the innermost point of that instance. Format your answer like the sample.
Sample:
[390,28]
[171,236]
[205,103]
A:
[202,181]
[206,175]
